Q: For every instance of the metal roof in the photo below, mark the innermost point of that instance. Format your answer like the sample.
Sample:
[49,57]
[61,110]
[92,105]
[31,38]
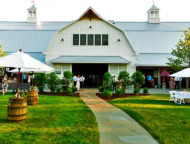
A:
[90,59]
[153,59]
[33,7]
[28,41]
[154,42]
[154,7]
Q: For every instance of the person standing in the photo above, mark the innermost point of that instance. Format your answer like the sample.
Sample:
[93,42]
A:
[176,82]
[78,83]
[4,86]
[82,78]
[75,80]
[149,78]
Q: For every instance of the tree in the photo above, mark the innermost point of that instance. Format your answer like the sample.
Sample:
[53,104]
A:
[181,54]
[2,53]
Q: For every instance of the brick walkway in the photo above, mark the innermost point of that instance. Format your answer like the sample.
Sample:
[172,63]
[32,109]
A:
[115,126]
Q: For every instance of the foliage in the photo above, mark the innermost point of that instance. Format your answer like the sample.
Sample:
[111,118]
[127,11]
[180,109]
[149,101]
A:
[138,79]
[101,89]
[181,54]
[58,90]
[145,90]
[2,53]
[166,121]
[53,81]
[69,91]
[124,79]
[107,93]
[74,88]
[56,120]
[68,75]
[107,81]
[119,91]
[67,79]
[136,91]
[40,80]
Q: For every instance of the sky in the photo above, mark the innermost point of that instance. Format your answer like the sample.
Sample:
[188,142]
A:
[117,10]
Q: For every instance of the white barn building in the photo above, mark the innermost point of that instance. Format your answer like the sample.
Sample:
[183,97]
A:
[91,45]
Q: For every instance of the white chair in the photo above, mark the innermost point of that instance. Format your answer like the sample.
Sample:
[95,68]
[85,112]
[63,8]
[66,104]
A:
[179,98]
[172,95]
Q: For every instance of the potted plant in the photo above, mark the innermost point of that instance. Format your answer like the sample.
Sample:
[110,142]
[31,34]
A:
[164,74]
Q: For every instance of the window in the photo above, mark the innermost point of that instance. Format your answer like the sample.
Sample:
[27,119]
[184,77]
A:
[82,39]
[97,39]
[104,39]
[90,39]
[75,39]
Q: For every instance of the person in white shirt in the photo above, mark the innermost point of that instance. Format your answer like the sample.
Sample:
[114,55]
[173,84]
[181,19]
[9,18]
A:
[75,80]
[82,78]
[78,83]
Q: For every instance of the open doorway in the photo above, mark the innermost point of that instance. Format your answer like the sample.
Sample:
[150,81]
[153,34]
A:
[93,73]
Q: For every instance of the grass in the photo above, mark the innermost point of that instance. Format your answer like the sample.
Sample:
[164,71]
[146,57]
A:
[168,122]
[56,120]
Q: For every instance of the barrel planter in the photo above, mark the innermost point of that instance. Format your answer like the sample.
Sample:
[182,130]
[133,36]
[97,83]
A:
[187,101]
[17,109]
[32,97]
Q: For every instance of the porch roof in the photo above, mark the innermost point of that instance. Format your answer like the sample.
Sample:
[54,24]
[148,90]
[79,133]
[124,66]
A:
[91,59]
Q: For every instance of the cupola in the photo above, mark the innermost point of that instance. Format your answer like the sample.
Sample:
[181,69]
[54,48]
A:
[32,16]
[154,15]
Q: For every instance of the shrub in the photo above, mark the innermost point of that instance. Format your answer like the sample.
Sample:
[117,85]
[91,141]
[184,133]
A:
[145,90]
[107,93]
[119,91]
[70,91]
[74,88]
[68,78]
[40,80]
[101,89]
[138,79]
[107,81]
[53,81]
[136,91]
[68,75]
[58,90]
[124,79]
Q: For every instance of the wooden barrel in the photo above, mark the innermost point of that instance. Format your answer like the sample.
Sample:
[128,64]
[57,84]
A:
[187,101]
[17,109]
[32,97]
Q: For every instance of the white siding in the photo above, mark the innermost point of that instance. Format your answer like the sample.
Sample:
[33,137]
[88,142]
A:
[115,48]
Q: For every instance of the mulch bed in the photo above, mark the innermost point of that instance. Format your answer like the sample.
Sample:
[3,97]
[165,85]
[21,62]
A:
[59,94]
[115,96]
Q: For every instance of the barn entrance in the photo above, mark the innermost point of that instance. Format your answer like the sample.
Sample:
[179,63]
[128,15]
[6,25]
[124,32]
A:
[93,73]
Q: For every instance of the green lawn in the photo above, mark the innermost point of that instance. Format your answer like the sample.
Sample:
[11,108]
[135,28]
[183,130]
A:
[57,119]
[168,122]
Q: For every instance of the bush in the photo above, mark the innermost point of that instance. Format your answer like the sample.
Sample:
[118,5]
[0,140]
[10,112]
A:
[40,80]
[70,91]
[138,79]
[119,91]
[101,89]
[145,90]
[68,75]
[74,88]
[53,81]
[107,93]
[136,91]
[58,90]
[124,79]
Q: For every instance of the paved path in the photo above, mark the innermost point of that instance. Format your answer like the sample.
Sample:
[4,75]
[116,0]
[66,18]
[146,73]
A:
[115,126]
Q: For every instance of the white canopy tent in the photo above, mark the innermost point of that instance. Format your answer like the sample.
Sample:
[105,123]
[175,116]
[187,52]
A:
[24,70]
[185,73]
[22,61]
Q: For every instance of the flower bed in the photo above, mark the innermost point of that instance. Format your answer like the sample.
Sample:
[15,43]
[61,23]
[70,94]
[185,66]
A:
[59,94]
[114,96]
